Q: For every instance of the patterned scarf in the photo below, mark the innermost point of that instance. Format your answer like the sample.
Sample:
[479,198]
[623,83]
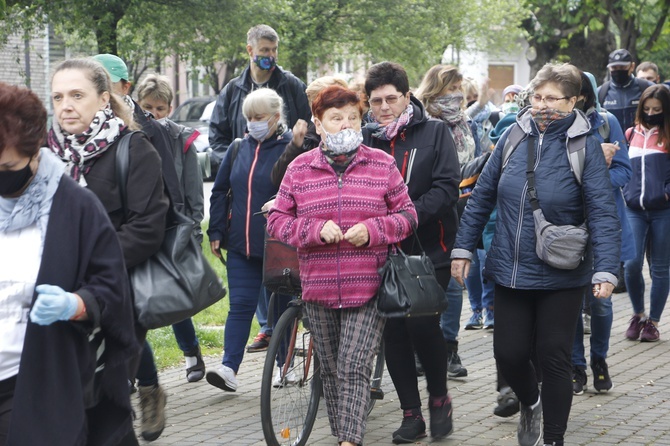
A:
[339,161]
[79,151]
[448,109]
[546,116]
[34,204]
[389,131]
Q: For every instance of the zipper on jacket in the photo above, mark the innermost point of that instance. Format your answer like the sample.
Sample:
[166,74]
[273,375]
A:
[412,155]
[643,164]
[339,223]
[247,228]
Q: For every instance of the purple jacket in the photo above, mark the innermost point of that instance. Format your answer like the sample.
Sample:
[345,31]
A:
[370,191]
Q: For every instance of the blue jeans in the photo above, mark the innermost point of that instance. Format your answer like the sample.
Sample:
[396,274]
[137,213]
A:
[184,333]
[649,227]
[601,326]
[450,321]
[262,312]
[480,292]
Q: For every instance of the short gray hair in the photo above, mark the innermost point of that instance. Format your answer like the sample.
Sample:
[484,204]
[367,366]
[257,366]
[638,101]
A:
[261,101]
[258,32]
[566,76]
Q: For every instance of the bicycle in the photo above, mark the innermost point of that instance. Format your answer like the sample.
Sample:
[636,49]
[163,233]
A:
[290,404]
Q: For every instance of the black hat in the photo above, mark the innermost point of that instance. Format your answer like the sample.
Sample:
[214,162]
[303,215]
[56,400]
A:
[619,57]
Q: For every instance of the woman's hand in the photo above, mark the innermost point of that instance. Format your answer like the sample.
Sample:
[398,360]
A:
[602,290]
[331,233]
[299,132]
[357,235]
[215,245]
[459,270]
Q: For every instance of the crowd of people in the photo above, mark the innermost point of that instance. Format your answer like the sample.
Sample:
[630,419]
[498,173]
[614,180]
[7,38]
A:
[341,172]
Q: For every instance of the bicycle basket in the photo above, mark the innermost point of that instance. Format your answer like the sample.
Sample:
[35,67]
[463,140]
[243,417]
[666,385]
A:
[281,273]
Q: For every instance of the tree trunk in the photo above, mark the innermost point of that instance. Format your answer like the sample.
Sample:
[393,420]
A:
[590,53]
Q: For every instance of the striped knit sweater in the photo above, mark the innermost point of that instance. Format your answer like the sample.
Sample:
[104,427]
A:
[370,191]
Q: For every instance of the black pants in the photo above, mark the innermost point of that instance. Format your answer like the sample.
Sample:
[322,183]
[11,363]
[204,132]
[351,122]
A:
[549,317]
[404,336]
[6,398]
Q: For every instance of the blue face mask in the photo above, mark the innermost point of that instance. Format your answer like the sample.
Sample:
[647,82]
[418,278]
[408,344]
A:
[259,130]
[265,63]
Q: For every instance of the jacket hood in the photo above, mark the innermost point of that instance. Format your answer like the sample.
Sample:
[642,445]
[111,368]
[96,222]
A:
[580,125]
[592,78]
[420,114]
[501,126]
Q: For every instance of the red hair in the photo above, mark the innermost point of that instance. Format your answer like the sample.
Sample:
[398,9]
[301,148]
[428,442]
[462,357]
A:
[23,121]
[334,96]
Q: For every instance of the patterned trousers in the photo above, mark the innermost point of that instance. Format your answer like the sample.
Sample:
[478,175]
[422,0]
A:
[346,341]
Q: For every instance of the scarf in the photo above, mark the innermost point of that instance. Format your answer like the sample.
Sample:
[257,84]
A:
[448,109]
[79,151]
[34,204]
[338,161]
[546,116]
[389,131]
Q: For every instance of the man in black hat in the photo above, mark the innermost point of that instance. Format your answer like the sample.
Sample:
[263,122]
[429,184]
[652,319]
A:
[621,95]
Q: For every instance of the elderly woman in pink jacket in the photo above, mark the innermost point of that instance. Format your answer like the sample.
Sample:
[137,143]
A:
[342,204]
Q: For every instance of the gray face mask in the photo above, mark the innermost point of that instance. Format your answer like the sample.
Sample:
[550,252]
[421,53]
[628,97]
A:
[344,141]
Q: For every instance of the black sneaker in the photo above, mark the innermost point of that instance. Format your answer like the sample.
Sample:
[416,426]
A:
[454,367]
[578,380]
[529,432]
[411,429]
[441,423]
[601,376]
[196,372]
[508,403]
[260,344]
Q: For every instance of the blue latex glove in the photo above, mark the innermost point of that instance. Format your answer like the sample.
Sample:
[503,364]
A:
[53,304]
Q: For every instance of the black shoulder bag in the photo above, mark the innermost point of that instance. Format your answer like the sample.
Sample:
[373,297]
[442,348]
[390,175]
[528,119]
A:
[409,287]
[177,282]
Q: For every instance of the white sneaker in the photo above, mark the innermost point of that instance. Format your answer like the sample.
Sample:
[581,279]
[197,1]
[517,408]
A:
[223,378]
[289,379]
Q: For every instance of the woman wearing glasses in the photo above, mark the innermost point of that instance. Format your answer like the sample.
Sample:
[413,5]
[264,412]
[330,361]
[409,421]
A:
[425,154]
[535,302]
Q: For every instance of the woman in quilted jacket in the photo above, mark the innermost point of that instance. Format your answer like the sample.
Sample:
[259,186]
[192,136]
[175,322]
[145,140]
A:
[341,204]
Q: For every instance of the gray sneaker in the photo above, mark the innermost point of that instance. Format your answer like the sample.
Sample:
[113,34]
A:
[529,432]
[152,403]
[455,368]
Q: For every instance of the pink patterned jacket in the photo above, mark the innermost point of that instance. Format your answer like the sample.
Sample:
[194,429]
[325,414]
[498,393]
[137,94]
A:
[371,191]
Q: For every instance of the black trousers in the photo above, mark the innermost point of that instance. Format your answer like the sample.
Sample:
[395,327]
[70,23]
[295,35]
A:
[547,318]
[403,337]
[6,399]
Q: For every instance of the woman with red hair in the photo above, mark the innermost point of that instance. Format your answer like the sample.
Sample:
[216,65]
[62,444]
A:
[341,204]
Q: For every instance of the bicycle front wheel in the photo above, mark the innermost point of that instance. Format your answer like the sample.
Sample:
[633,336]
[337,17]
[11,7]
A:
[291,384]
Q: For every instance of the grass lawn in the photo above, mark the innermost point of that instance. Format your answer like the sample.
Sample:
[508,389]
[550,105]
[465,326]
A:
[208,323]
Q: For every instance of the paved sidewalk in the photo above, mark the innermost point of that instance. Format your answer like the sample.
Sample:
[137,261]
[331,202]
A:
[635,412]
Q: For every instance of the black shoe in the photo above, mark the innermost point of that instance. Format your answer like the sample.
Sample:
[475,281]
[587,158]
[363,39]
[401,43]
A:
[508,403]
[260,344]
[529,432]
[412,428]
[196,372]
[601,376]
[441,423]
[454,367]
[578,380]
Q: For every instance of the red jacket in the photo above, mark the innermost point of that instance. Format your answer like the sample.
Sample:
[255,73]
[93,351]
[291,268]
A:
[371,191]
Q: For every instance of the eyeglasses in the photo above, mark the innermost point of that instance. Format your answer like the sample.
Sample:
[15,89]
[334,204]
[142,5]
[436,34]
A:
[549,100]
[390,100]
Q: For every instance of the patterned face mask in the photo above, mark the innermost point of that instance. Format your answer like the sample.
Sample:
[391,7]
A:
[344,141]
[265,63]
[546,116]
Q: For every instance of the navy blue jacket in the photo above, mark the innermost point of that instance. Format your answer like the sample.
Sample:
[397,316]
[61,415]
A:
[426,156]
[512,262]
[622,101]
[228,122]
[252,188]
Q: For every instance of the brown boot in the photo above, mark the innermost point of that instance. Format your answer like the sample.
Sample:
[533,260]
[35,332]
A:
[152,403]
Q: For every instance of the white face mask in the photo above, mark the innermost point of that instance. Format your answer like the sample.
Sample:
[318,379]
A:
[343,141]
[259,130]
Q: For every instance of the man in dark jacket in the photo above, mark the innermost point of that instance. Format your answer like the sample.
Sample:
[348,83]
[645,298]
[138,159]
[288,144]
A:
[621,95]
[227,121]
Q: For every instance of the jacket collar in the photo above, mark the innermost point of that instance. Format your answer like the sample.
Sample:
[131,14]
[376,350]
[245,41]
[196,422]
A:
[276,80]
[579,126]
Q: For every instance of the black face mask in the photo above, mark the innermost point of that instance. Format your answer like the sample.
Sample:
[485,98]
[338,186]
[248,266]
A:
[653,120]
[620,77]
[12,181]
[471,102]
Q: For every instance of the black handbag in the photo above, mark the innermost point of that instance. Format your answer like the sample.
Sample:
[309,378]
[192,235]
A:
[409,287]
[177,282]
[281,273]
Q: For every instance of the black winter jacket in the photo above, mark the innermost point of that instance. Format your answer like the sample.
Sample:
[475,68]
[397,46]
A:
[426,156]
[228,122]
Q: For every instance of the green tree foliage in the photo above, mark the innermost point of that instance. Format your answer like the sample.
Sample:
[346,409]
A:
[584,32]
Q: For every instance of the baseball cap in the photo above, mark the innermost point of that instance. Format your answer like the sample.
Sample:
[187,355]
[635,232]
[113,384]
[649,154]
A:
[516,89]
[114,65]
[619,57]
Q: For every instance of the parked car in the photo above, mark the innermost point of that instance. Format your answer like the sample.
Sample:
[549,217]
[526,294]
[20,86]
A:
[196,113]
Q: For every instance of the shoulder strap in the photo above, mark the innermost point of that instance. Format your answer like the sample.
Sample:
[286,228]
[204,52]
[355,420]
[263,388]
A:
[576,156]
[602,93]
[122,163]
[604,130]
[191,139]
[236,148]
[515,136]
